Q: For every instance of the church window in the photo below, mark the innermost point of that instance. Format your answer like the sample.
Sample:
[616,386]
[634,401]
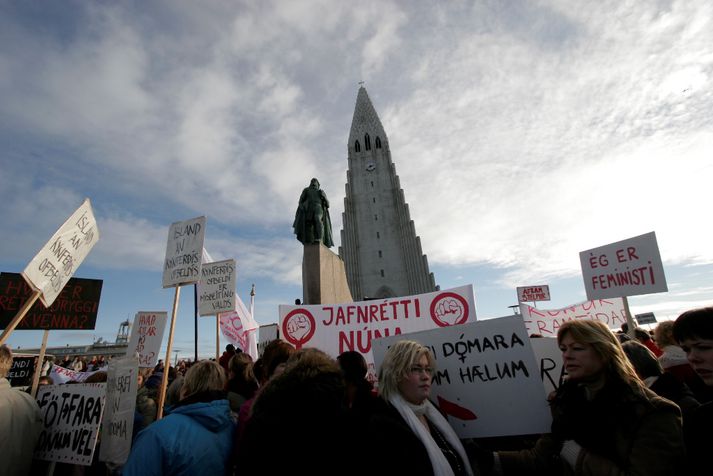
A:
[372,183]
[377,235]
[376,217]
[373,199]
[379,253]
[357,147]
[367,142]
[382,273]
[377,142]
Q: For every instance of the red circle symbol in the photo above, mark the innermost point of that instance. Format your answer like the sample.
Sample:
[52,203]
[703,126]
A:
[449,309]
[298,327]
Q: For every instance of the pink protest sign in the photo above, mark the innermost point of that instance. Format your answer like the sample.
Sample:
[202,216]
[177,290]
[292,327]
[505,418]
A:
[546,322]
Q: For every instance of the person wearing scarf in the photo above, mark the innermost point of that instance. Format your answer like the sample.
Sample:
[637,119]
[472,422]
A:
[407,433]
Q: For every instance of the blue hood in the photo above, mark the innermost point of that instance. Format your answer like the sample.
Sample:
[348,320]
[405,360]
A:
[214,416]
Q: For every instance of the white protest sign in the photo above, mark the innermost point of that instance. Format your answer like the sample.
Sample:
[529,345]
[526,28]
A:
[183,252]
[625,268]
[549,356]
[118,422]
[71,415]
[336,328]
[486,381]
[216,289]
[146,337]
[546,322]
[61,375]
[268,333]
[57,261]
[533,293]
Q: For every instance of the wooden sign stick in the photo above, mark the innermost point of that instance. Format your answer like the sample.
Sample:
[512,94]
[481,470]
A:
[167,362]
[629,319]
[217,337]
[40,364]
[19,316]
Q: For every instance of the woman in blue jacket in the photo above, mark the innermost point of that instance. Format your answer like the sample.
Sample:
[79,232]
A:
[197,434]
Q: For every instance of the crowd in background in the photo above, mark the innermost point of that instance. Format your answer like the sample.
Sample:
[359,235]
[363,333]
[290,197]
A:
[628,406]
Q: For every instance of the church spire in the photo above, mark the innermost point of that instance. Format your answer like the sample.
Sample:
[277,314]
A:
[365,123]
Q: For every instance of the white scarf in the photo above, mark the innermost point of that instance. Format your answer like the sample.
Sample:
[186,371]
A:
[410,413]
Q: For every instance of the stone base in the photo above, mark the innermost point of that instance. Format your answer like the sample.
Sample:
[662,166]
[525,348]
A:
[324,280]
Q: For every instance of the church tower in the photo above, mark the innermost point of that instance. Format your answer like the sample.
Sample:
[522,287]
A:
[381,251]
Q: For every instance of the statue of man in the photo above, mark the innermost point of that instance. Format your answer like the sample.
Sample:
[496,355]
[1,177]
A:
[312,223]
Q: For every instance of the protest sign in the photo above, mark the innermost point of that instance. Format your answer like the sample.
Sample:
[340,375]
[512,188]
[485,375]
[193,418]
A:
[625,268]
[57,261]
[268,333]
[21,371]
[146,337]
[486,380]
[533,293]
[549,356]
[336,328]
[645,318]
[70,415]
[118,421]
[61,375]
[75,307]
[184,249]
[216,289]
[546,322]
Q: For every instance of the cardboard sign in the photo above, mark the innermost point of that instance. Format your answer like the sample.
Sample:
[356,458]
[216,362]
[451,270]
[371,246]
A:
[549,356]
[76,307]
[546,322]
[645,318]
[22,370]
[60,375]
[71,415]
[118,422]
[625,268]
[533,293]
[336,328]
[268,333]
[57,261]
[184,249]
[216,289]
[146,337]
[486,380]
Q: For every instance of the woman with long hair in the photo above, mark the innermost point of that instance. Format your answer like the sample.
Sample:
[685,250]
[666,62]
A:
[605,420]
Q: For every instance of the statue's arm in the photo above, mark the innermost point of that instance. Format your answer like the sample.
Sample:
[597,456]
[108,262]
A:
[325,202]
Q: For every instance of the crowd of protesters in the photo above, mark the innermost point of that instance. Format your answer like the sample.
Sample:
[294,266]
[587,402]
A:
[628,406]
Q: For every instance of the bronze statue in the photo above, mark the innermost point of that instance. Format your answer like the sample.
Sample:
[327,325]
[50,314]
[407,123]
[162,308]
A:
[312,223]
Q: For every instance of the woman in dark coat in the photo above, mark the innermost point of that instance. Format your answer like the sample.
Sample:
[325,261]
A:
[605,420]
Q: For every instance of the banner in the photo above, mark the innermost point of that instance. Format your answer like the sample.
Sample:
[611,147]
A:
[57,261]
[184,250]
[22,370]
[216,289]
[71,415]
[486,380]
[336,328]
[146,337]
[546,321]
[118,422]
[625,268]
[238,325]
[75,307]
[61,375]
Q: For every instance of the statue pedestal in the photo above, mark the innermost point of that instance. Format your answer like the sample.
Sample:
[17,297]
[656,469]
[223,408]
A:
[324,280]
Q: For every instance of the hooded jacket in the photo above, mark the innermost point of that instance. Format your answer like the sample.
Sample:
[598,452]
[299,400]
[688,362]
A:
[192,439]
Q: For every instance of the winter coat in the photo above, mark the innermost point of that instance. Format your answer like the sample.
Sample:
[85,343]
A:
[20,426]
[698,439]
[621,431]
[194,439]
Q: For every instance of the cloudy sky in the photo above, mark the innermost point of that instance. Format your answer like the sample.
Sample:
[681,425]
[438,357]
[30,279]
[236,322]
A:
[523,132]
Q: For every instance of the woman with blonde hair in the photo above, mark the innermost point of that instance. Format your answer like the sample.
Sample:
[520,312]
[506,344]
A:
[605,420]
[408,433]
